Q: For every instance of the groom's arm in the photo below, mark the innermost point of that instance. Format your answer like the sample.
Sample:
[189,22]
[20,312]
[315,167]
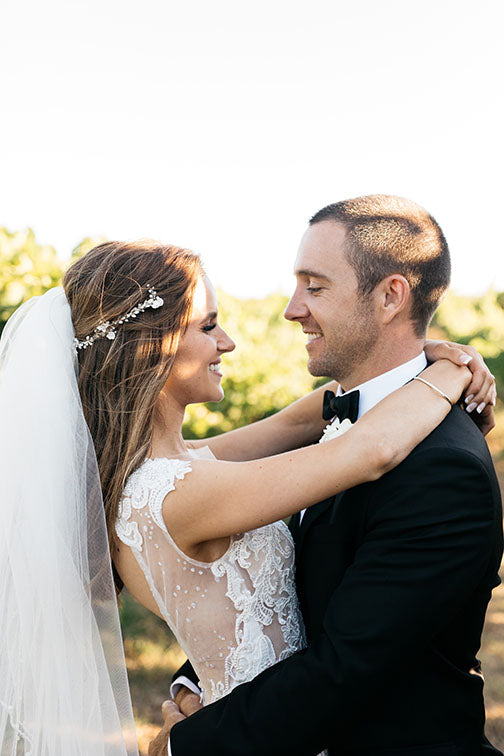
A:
[430,529]
[186,677]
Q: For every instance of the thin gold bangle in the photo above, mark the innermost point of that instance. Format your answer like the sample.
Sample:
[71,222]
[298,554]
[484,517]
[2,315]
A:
[438,391]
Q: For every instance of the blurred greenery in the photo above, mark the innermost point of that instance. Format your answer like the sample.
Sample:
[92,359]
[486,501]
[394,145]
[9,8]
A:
[478,321]
[266,372]
[27,269]
[268,368]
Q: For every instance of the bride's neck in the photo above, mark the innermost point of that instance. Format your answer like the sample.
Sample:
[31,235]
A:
[167,432]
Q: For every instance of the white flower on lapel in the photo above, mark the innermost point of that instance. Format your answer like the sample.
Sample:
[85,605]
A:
[335,428]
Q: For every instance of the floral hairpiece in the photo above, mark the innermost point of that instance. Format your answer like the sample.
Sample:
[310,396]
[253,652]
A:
[108,329]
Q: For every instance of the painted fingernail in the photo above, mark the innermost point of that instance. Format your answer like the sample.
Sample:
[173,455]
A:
[465,359]
[468,398]
[480,408]
[471,407]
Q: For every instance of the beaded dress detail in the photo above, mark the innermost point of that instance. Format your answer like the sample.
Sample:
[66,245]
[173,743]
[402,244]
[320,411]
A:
[234,617]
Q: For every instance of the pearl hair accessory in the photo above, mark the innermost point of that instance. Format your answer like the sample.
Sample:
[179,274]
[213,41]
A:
[108,329]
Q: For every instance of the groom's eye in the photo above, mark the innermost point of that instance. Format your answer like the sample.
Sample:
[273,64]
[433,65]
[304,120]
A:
[313,289]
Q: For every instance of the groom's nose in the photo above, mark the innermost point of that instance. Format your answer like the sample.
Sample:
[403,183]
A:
[296,308]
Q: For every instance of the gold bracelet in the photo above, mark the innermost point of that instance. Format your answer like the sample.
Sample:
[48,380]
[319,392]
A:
[438,391]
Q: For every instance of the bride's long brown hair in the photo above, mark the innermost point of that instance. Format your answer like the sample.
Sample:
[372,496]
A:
[120,380]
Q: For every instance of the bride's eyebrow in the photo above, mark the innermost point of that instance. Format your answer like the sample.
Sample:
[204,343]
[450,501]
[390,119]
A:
[210,316]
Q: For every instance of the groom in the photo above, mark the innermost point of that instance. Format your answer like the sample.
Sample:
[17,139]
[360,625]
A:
[393,576]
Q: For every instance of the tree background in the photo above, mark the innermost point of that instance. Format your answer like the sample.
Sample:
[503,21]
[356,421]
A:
[265,372]
[268,368]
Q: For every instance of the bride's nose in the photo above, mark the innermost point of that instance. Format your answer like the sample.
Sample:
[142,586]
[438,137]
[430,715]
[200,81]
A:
[226,343]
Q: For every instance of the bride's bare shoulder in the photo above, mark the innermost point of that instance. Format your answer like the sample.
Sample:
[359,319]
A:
[189,499]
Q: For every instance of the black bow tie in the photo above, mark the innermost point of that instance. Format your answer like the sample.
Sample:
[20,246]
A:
[344,406]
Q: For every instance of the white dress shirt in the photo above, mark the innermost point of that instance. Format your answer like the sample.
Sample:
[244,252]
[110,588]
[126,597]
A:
[371,392]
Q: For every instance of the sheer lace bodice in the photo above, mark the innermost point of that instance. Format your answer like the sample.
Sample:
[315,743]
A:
[233,617]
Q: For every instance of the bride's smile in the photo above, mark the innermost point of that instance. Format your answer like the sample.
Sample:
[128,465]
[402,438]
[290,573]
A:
[197,368]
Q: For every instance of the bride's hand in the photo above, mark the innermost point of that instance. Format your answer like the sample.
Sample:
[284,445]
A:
[454,381]
[482,386]
[449,378]
[480,395]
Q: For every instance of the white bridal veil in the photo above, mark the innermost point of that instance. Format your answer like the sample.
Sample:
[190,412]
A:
[63,684]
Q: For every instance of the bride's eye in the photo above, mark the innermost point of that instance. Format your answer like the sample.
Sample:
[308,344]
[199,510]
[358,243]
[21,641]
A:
[209,327]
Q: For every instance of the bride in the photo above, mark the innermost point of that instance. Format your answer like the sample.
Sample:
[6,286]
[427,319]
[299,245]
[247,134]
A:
[94,381]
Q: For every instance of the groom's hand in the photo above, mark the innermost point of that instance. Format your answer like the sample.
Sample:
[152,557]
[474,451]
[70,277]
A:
[171,715]
[187,701]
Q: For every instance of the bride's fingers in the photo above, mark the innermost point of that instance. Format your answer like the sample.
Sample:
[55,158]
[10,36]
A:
[481,395]
[459,354]
[481,390]
[477,398]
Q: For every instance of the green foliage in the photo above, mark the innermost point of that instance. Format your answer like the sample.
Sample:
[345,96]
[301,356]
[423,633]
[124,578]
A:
[140,624]
[27,269]
[478,321]
[265,372]
[89,242]
[268,368]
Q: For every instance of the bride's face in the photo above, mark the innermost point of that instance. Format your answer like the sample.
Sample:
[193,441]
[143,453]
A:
[197,371]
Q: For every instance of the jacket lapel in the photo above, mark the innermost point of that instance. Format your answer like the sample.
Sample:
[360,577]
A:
[313,513]
[311,516]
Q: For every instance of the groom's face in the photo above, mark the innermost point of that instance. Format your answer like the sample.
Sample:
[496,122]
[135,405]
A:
[340,324]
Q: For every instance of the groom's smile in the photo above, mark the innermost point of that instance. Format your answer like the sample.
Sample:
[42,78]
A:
[339,323]
[311,337]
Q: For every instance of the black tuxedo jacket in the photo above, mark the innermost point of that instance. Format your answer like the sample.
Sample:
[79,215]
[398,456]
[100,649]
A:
[394,578]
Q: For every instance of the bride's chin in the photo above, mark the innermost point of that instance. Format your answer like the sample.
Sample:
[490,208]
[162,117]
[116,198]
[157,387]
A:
[212,396]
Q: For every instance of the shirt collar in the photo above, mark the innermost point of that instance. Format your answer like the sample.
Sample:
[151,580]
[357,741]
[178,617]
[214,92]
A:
[373,391]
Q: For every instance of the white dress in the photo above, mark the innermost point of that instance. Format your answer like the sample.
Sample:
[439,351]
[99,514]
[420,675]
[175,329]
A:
[233,617]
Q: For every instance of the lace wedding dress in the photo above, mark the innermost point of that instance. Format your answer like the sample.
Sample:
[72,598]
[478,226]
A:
[233,617]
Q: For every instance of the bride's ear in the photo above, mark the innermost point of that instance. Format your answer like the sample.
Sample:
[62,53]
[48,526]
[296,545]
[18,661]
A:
[393,297]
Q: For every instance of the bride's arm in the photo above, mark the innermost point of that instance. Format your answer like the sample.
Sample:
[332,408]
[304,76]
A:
[480,396]
[301,422]
[223,498]
[298,424]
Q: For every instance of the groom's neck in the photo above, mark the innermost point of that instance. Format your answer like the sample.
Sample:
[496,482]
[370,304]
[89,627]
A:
[382,359]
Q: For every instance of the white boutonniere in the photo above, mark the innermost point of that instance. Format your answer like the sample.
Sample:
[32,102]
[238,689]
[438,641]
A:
[335,428]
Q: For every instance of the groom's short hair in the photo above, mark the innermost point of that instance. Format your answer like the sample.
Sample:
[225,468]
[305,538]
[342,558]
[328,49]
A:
[387,234]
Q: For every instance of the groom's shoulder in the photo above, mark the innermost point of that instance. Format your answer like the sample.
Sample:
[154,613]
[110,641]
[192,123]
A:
[452,459]
[458,433]
[456,439]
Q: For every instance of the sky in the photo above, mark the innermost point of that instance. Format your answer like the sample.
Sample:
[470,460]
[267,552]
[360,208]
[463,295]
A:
[223,126]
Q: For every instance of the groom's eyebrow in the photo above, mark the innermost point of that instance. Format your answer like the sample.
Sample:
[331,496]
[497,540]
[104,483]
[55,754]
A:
[313,274]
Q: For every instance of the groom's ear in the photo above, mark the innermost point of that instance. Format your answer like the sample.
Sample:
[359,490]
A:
[393,296]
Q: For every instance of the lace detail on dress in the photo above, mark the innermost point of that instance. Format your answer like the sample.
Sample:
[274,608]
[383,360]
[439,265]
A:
[147,487]
[264,554]
[233,617]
